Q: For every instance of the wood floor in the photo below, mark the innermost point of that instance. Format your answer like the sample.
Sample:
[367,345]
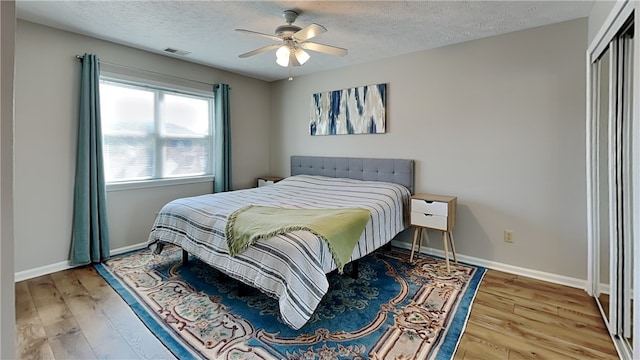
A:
[75,314]
[514,317]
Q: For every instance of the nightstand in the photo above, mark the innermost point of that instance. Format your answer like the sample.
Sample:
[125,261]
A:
[268,180]
[436,212]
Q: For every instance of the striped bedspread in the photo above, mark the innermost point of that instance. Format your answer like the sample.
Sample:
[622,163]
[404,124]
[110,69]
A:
[289,267]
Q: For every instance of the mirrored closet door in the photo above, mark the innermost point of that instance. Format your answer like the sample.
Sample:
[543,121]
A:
[602,133]
[613,171]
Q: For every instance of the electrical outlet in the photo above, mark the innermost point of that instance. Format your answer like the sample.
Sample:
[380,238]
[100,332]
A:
[508,236]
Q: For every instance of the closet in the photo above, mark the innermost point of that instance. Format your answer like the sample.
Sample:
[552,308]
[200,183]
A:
[613,175]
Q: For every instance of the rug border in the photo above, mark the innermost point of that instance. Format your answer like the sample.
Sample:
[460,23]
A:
[178,348]
[463,312]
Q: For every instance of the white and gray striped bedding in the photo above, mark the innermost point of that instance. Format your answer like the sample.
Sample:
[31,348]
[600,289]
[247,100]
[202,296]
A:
[289,267]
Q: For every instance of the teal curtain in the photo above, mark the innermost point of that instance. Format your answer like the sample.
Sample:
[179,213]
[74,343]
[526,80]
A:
[90,235]
[222,139]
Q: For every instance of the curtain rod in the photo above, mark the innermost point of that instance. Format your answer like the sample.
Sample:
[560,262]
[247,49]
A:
[80,57]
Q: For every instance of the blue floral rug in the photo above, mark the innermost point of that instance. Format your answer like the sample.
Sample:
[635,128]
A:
[393,310]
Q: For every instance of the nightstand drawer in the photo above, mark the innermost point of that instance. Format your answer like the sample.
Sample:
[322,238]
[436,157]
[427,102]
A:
[268,180]
[429,207]
[427,220]
[263,182]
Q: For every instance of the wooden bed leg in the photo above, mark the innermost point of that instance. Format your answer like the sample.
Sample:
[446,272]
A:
[185,257]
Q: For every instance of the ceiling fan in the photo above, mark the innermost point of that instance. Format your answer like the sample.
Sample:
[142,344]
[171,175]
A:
[293,41]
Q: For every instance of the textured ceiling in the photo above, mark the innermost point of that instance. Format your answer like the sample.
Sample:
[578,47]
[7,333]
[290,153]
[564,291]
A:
[370,30]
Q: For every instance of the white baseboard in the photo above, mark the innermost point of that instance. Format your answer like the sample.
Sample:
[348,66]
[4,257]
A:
[516,270]
[540,275]
[64,265]
[42,270]
[125,249]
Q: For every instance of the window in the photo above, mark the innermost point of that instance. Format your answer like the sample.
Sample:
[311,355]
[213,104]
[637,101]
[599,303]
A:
[153,133]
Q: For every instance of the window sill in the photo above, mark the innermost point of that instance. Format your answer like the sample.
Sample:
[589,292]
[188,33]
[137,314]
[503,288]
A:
[143,184]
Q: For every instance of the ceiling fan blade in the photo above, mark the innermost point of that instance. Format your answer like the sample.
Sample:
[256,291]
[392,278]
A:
[308,32]
[292,60]
[327,49]
[272,37]
[260,50]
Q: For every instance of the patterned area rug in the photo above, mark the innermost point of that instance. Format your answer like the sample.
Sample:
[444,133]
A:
[393,310]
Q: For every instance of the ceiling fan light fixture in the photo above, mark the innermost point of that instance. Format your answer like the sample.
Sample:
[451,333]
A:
[282,55]
[302,56]
[293,42]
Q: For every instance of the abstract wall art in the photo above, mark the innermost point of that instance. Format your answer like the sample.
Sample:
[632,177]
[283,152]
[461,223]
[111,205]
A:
[358,110]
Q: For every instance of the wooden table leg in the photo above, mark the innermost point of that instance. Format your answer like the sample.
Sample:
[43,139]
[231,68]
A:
[453,247]
[446,250]
[426,235]
[413,244]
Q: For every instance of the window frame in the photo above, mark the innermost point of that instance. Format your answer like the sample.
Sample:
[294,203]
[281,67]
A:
[164,88]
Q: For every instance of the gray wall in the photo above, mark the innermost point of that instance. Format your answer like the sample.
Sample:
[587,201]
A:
[47,91]
[7,293]
[598,15]
[498,122]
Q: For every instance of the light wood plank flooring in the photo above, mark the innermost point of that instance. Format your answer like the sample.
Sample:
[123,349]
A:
[75,314]
[515,317]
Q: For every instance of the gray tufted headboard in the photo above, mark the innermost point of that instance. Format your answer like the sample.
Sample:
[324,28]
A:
[399,171]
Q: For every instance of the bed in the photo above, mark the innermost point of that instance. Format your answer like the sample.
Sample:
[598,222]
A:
[292,267]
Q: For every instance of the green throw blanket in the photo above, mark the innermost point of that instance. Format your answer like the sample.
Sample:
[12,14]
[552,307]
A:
[340,228]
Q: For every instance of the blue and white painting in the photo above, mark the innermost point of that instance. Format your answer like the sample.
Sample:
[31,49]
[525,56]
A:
[359,110]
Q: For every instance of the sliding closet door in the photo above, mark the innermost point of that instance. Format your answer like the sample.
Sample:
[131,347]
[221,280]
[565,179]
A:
[602,133]
[621,166]
[613,173]
[625,173]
